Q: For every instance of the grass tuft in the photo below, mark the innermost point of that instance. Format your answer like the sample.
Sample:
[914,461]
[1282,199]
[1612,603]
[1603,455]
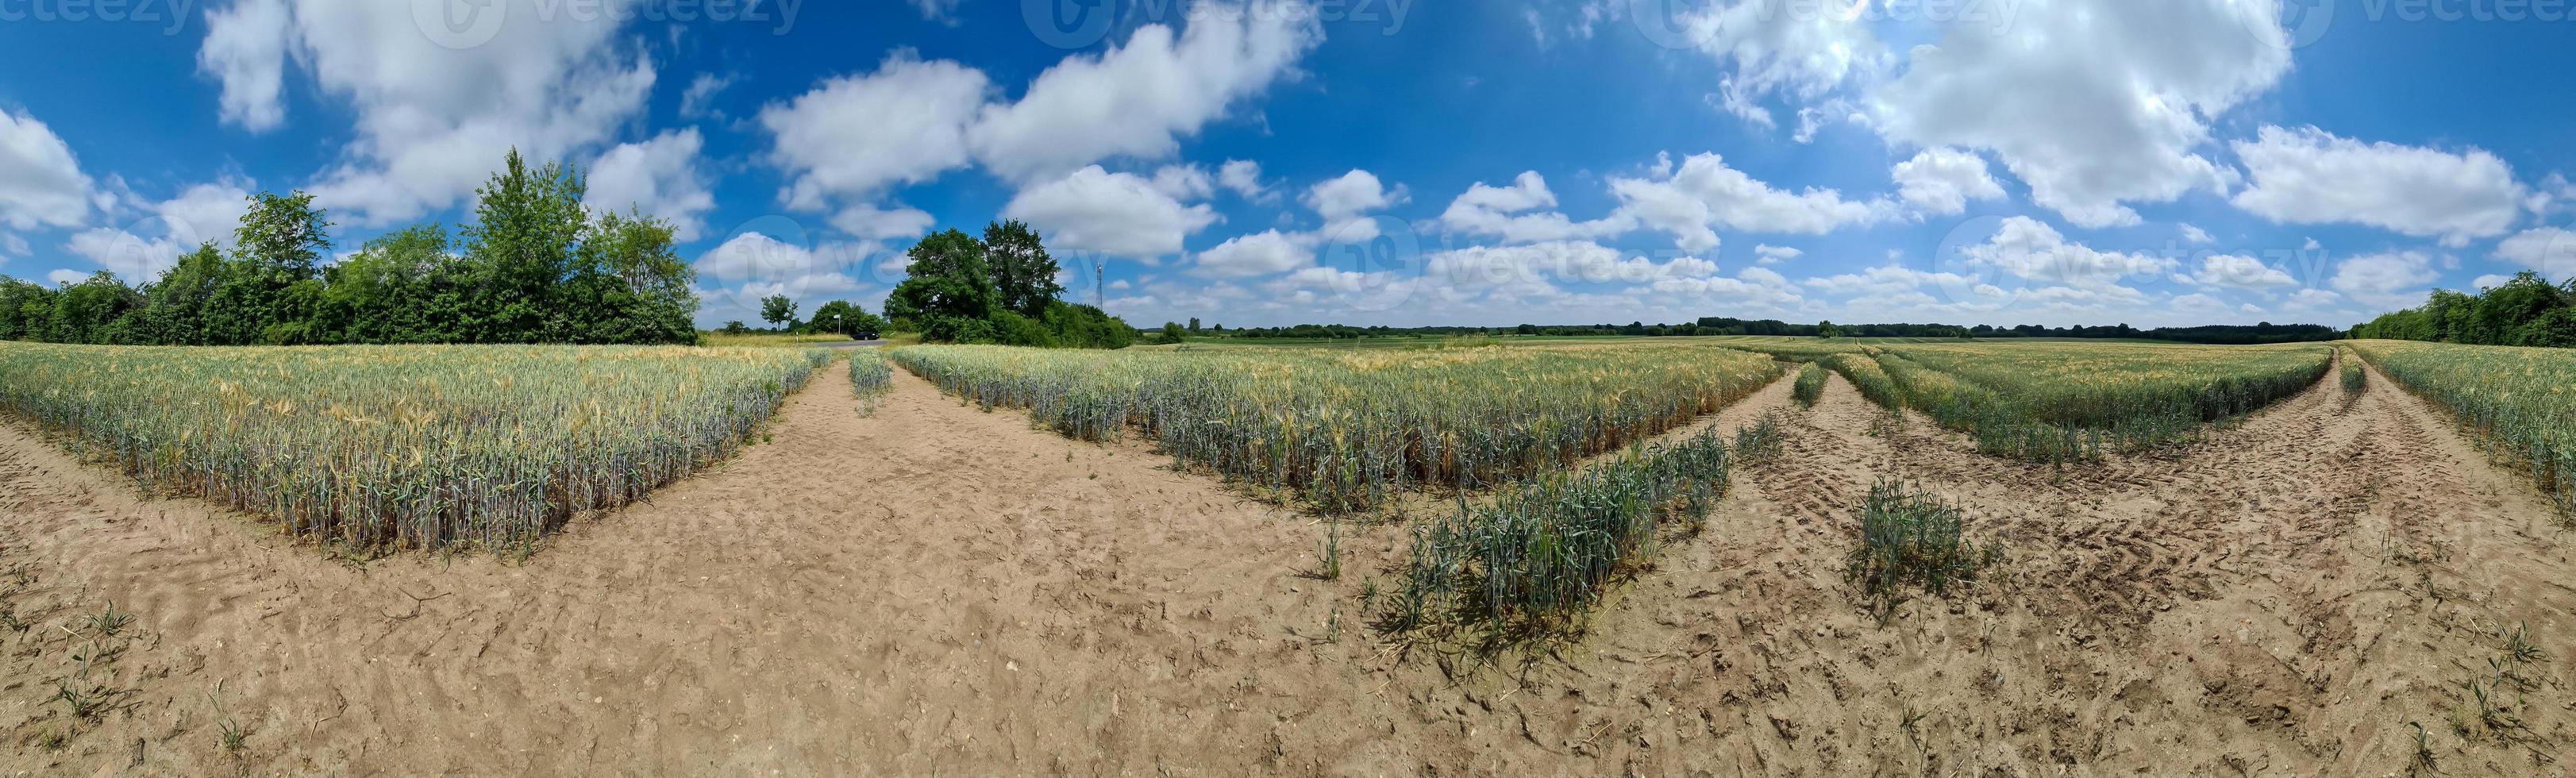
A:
[1761,441]
[1913,540]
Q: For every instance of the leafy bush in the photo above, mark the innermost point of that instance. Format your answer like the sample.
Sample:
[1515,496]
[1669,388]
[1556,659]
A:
[1082,326]
[1012,329]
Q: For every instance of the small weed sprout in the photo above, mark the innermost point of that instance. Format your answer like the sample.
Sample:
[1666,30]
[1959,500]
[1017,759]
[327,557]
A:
[108,621]
[86,700]
[1888,423]
[2486,710]
[1332,556]
[228,732]
[2423,758]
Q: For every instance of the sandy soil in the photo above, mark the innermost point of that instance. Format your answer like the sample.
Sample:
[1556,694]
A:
[932,589]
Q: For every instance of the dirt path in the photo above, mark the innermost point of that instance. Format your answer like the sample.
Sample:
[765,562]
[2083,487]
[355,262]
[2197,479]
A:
[933,589]
[2282,599]
[927,589]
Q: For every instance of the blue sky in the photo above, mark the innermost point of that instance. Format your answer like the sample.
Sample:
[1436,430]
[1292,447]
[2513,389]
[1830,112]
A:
[1262,162]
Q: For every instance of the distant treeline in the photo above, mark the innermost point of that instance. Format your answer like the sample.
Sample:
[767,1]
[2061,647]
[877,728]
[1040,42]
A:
[2526,311]
[1719,325]
[535,267]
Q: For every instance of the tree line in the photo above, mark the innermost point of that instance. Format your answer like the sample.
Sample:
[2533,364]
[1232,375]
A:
[838,317]
[2525,311]
[534,267]
[1000,289]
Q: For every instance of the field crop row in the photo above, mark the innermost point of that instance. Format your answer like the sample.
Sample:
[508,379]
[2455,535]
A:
[417,446]
[2052,401]
[2521,401]
[1346,430]
[1544,551]
[2060,402]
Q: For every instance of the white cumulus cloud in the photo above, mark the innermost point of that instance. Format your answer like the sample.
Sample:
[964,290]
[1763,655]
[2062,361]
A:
[41,183]
[1942,181]
[2307,176]
[2093,103]
[1704,193]
[1139,98]
[658,177]
[1118,214]
[855,135]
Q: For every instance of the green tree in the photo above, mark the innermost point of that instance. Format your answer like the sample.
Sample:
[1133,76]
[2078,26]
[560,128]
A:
[520,246]
[536,268]
[779,311]
[1023,273]
[176,307]
[628,285]
[1826,329]
[2500,314]
[2554,329]
[1173,333]
[268,291]
[26,309]
[87,312]
[947,290]
[401,287]
[845,318]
